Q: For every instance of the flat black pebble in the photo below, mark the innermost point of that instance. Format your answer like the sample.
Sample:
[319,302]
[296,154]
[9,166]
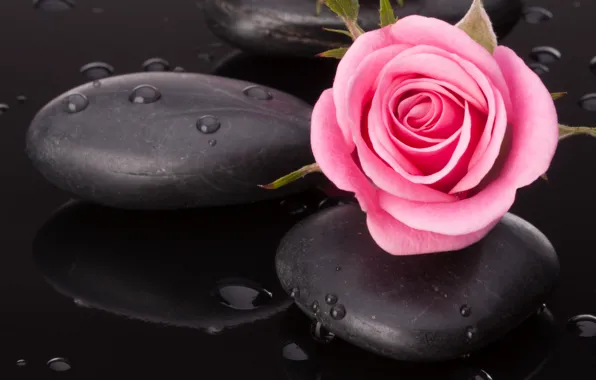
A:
[290,27]
[140,141]
[409,307]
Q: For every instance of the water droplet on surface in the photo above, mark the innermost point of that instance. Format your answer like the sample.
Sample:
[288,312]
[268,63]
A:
[59,365]
[541,309]
[96,70]
[537,15]
[293,352]
[465,311]
[588,102]
[96,83]
[338,312]
[545,54]
[144,94]
[212,142]
[257,92]
[331,299]
[214,330]
[156,64]
[320,334]
[242,294]
[21,363]
[4,108]
[481,375]
[75,103]
[337,269]
[538,68]
[295,293]
[315,306]
[471,332]
[208,124]
[583,325]
[593,65]
[21,99]
[54,5]
[179,69]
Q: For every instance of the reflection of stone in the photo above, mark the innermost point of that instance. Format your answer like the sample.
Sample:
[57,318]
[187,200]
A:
[425,307]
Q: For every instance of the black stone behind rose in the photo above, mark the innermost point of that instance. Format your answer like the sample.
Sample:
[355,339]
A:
[171,140]
[290,27]
[419,308]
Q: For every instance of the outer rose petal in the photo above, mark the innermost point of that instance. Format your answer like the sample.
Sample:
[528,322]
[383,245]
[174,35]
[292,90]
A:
[535,131]
[334,156]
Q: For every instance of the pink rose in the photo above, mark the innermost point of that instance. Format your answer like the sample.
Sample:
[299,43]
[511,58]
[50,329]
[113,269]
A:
[432,133]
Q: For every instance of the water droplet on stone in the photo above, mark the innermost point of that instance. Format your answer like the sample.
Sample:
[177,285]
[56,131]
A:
[212,142]
[315,307]
[179,69]
[144,94]
[54,5]
[208,124]
[4,108]
[156,64]
[538,68]
[331,299]
[583,325]
[295,293]
[541,309]
[257,92]
[214,330]
[593,65]
[59,365]
[97,10]
[471,332]
[21,363]
[320,334]
[545,54]
[293,352]
[96,70]
[75,103]
[588,102]
[242,294]
[338,312]
[96,83]
[465,311]
[337,269]
[21,99]
[537,15]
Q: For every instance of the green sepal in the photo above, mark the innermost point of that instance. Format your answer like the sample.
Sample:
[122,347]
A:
[334,53]
[340,31]
[386,13]
[557,95]
[478,26]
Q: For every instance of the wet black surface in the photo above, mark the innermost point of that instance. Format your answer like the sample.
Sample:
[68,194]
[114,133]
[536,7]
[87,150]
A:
[42,54]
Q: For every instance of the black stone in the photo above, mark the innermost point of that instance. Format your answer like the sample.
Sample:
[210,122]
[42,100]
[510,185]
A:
[137,143]
[410,307]
[290,27]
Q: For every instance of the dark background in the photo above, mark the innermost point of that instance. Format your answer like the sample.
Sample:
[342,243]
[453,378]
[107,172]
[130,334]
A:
[40,56]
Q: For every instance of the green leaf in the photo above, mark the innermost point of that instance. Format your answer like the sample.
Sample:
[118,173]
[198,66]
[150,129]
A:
[387,14]
[294,176]
[340,31]
[347,10]
[477,25]
[557,95]
[334,53]
[566,131]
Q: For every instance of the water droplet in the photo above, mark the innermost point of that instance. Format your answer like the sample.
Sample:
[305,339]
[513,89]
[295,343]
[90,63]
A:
[319,333]
[293,352]
[21,99]
[242,294]
[545,54]
[465,311]
[4,108]
[156,64]
[537,15]
[541,309]
[538,68]
[435,288]
[583,325]
[315,307]
[588,102]
[593,65]
[471,332]
[96,83]
[21,363]
[75,103]
[465,356]
[338,312]
[179,69]
[295,293]
[481,375]
[54,5]
[144,94]
[212,142]
[96,70]
[97,10]
[337,269]
[257,92]
[214,330]
[331,299]
[59,365]
[208,124]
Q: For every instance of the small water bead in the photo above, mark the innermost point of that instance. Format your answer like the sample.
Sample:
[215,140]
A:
[593,65]
[4,108]
[179,69]
[156,64]
[242,294]
[54,5]
[21,363]
[315,307]
[471,332]
[257,92]
[588,102]
[212,142]
[320,334]
[338,312]
[541,309]
[21,99]
[59,365]
[208,124]
[337,269]
[295,293]
[583,325]
[213,330]
[74,103]
[465,311]
[545,54]
[96,84]
[144,94]
[538,68]
[96,70]
[293,352]
[537,15]
[331,299]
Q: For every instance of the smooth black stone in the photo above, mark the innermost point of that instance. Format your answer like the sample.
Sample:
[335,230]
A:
[409,307]
[146,152]
[165,266]
[290,27]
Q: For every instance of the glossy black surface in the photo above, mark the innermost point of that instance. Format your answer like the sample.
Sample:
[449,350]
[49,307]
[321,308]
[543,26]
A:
[42,53]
